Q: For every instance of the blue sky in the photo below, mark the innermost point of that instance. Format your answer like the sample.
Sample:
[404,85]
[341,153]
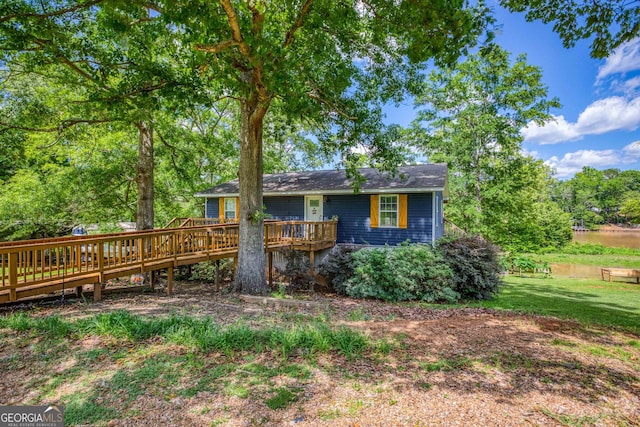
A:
[598,123]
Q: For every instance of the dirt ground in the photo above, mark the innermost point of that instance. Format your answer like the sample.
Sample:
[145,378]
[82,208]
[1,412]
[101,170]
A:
[467,367]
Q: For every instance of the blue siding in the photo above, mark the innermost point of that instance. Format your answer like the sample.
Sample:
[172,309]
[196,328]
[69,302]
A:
[353,220]
[213,208]
[287,208]
[281,207]
[353,217]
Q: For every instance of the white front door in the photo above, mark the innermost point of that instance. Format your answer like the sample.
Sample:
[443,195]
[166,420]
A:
[313,208]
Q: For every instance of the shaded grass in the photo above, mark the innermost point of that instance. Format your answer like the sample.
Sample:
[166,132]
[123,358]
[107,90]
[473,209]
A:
[202,334]
[447,364]
[586,300]
[282,398]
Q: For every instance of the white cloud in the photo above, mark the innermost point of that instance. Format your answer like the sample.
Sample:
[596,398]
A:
[553,132]
[624,59]
[631,85]
[571,163]
[527,153]
[609,114]
[632,150]
[604,115]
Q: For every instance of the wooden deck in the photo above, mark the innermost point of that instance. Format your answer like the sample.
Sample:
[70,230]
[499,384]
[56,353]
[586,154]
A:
[38,267]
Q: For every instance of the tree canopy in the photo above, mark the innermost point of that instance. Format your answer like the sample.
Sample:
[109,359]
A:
[608,24]
[330,64]
[470,117]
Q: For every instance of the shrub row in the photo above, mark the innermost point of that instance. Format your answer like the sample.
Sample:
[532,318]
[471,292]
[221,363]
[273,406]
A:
[457,268]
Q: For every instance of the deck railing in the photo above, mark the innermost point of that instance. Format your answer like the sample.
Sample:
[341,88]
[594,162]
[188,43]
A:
[195,222]
[452,229]
[27,265]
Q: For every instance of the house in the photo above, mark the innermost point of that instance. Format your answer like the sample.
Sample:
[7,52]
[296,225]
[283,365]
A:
[387,210]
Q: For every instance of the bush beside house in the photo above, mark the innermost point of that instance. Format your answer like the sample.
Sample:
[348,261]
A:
[463,267]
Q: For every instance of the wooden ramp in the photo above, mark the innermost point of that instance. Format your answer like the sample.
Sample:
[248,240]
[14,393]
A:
[37,267]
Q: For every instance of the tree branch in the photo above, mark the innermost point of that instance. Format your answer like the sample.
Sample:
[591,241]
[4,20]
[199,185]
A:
[65,124]
[331,105]
[69,63]
[257,18]
[234,26]
[298,23]
[217,48]
[50,14]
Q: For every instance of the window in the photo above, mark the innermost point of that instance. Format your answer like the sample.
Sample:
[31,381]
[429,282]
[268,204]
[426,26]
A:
[389,211]
[230,208]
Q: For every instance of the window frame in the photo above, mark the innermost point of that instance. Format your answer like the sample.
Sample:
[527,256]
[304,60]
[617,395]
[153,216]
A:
[381,211]
[224,204]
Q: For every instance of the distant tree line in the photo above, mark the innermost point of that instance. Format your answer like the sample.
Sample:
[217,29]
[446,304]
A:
[593,197]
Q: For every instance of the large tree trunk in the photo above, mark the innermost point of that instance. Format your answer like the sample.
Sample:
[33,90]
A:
[144,177]
[250,275]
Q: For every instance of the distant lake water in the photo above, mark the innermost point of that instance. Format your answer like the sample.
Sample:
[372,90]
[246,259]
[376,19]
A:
[616,239]
[619,239]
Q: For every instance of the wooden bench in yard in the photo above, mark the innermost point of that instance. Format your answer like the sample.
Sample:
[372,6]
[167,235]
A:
[620,272]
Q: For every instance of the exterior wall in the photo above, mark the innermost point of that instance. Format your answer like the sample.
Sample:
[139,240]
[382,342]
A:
[286,208]
[353,217]
[212,209]
[353,220]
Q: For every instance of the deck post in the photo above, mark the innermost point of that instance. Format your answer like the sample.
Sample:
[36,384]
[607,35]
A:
[13,275]
[97,287]
[312,259]
[152,277]
[170,280]
[270,259]
[217,282]
[97,290]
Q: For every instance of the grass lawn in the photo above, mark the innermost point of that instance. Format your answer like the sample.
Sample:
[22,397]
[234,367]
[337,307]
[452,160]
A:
[604,260]
[216,361]
[594,301]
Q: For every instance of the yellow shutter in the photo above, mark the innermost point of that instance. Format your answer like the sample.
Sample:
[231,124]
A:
[221,208]
[375,217]
[402,211]
[238,209]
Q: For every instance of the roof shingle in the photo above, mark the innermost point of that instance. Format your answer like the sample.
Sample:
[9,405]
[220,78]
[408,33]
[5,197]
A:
[427,177]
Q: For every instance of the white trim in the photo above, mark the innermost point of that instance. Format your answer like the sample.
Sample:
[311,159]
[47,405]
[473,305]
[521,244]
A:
[380,225]
[224,206]
[433,218]
[329,192]
[306,205]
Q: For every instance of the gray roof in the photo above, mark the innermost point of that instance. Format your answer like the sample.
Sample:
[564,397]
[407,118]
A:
[410,179]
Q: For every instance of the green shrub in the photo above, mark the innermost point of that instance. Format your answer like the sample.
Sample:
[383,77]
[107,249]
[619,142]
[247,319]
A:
[337,267]
[206,271]
[406,272]
[523,263]
[475,264]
